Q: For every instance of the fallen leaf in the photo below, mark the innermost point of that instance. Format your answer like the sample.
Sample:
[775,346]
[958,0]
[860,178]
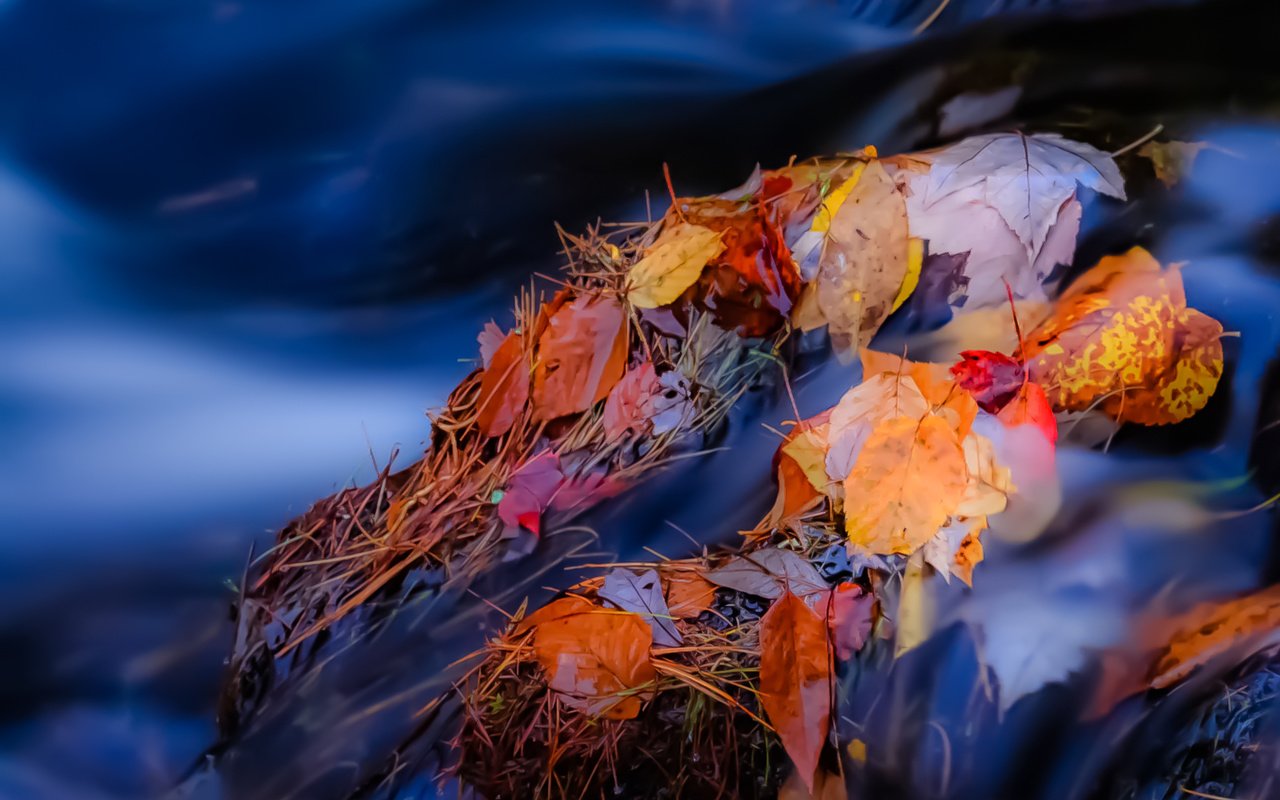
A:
[581,355]
[864,261]
[1030,406]
[795,680]
[768,573]
[826,786]
[689,594]
[629,407]
[849,612]
[504,387]
[673,403]
[1212,629]
[935,382]
[1172,160]
[642,594]
[991,378]
[909,477]
[915,619]
[1027,179]
[597,661]
[874,400]
[490,339]
[1122,338]
[529,492]
[672,264]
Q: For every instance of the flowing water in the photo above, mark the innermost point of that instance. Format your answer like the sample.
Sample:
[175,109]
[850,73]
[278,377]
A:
[245,246]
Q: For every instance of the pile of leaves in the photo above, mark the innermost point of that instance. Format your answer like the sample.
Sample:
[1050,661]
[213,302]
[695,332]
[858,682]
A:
[653,332]
[895,483]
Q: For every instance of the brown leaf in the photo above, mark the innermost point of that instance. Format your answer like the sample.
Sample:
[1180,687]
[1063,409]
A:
[642,594]
[1172,160]
[504,387]
[865,259]
[768,573]
[581,355]
[596,660]
[1211,629]
[629,407]
[795,680]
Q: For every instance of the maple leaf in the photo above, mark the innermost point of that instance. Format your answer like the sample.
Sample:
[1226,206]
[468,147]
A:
[1027,179]
[504,387]
[991,378]
[908,479]
[1122,336]
[672,264]
[581,353]
[642,594]
[596,660]
[795,680]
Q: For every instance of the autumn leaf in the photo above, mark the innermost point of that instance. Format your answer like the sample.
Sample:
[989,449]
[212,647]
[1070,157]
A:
[800,464]
[874,400]
[795,680]
[1122,336]
[629,406]
[935,382]
[864,259]
[1212,629]
[1172,160]
[596,660]
[672,264]
[849,612]
[768,573]
[581,354]
[689,594]
[504,387]
[530,491]
[1030,406]
[490,339]
[642,594]
[908,479]
[993,379]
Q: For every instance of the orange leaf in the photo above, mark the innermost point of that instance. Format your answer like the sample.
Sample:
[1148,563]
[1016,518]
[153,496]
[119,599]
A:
[935,381]
[688,594]
[1211,629]
[795,680]
[597,661]
[504,387]
[582,353]
[1122,336]
[908,479]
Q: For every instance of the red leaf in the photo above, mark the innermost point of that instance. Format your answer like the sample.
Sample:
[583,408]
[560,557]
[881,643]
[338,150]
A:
[992,378]
[582,353]
[795,680]
[530,491]
[1030,406]
[849,612]
[630,404]
[504,387]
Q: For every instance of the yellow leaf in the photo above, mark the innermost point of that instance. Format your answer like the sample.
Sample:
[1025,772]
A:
[915,609]
[915,261]
[832,202]
[808,449]
[1122,337]
[672,264]
[857,751]
[864,260]
[908,479]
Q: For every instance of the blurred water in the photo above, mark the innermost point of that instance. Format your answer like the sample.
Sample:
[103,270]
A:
[244,246]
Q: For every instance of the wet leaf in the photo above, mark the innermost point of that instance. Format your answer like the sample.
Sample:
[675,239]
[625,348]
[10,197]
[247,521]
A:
[935,383]
[689,594]
[849,612]
[672,264]
[504,387]
[630,405]
[1172,160]
[530,491]
[874,400]
[795,680]
[596,660]
[916,613]
[1123,338]
[908,479]
[864,260]
[1209,630]
[581,354]
[1030,406]
[991,378]
[642,594]
[768,573]
[490,339]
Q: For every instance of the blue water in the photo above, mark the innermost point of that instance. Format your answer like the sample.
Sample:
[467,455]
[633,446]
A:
[245,246]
